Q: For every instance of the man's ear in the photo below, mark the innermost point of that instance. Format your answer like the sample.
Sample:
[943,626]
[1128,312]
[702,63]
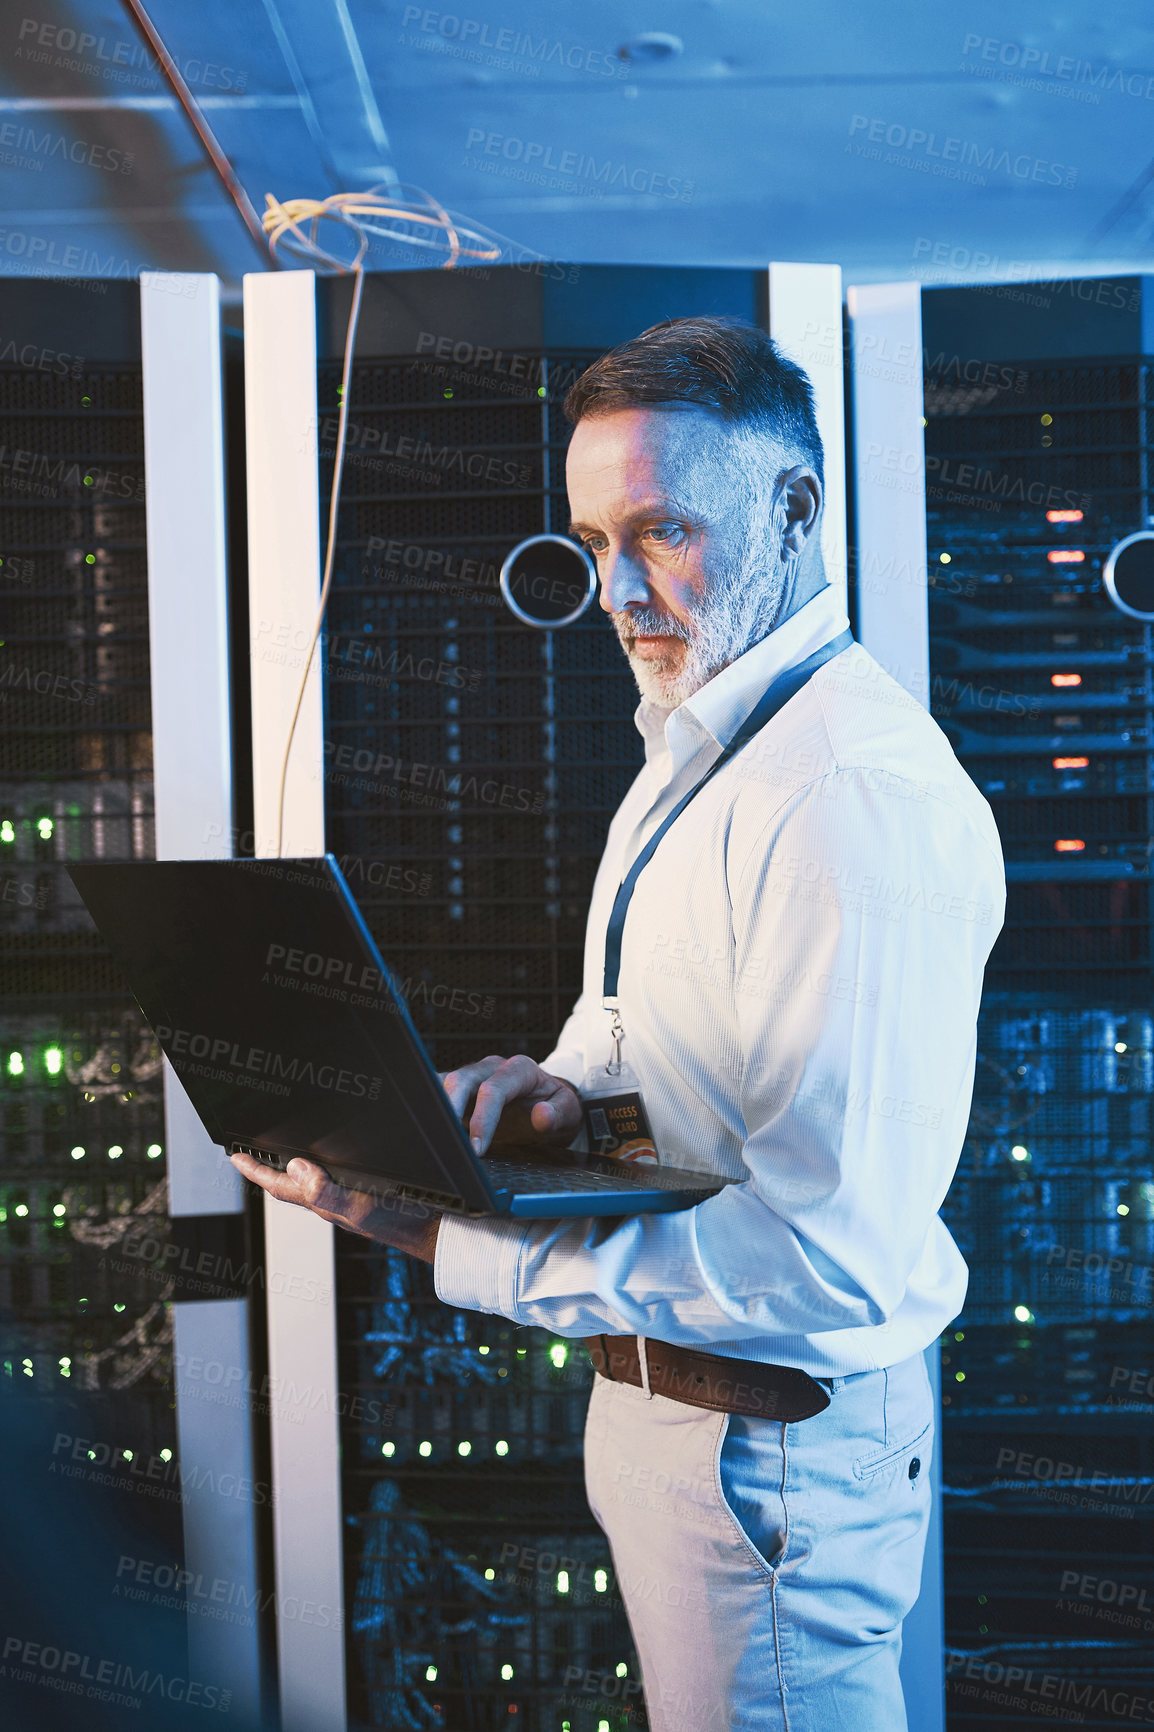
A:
[802,495]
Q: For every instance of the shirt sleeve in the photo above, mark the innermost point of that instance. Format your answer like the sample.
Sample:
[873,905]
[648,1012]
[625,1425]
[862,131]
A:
[861,928]
[568,1057]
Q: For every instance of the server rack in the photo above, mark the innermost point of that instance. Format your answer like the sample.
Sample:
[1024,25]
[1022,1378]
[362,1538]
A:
[1035,469]
[86,1381]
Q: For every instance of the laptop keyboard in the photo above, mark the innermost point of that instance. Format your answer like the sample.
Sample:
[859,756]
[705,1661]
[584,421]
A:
[520,1177]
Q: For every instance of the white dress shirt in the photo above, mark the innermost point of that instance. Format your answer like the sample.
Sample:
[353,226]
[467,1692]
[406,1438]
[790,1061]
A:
[800,978]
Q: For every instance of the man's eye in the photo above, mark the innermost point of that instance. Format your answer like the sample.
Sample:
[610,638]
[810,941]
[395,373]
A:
[664,531]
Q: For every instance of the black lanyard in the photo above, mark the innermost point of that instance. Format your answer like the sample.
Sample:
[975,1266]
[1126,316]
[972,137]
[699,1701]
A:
[779,694]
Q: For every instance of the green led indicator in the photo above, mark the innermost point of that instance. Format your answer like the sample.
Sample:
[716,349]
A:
[540,390]
[90,559]
[86,402]
[53,1060]
[558,1353]
[45,828]
[447,393]
[88,481]
[15,1064]
[7,830]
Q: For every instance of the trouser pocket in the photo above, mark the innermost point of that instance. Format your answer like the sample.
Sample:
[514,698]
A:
[749,1471]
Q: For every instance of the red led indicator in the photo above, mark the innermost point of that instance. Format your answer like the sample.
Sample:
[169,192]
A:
[1065,556]
[1069,846]
[1065,679]
[1063,517]
[1071,763]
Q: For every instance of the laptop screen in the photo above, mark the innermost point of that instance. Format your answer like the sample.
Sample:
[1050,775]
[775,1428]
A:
[267,995]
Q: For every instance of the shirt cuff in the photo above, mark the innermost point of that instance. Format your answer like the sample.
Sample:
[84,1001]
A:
[477,1263]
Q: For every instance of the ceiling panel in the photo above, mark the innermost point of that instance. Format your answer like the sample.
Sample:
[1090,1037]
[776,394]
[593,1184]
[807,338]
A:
[994,144]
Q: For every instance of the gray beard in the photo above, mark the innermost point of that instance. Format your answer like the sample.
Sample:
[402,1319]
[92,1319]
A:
[741,608]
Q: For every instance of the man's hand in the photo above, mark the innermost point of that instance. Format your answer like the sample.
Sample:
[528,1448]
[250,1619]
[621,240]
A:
[408,1226]
[503,1100]
[499,1100]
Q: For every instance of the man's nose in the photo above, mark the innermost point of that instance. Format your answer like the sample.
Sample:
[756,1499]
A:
[623,581]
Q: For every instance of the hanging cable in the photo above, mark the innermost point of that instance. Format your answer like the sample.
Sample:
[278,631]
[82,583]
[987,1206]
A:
[283,224]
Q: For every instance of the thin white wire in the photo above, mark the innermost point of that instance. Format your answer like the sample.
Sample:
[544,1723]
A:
[284,220]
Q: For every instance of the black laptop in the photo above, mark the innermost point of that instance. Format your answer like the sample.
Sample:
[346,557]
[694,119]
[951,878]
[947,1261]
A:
[265,990]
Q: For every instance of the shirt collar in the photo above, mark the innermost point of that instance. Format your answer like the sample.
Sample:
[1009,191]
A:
[718,709]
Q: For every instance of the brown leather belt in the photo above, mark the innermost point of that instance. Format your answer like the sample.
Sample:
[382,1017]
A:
[705,1380]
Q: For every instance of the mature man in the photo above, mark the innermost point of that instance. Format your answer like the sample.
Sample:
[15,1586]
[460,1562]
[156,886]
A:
[800,970]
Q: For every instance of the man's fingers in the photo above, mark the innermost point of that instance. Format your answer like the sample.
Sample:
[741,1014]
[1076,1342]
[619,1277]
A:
[302,1182]
[461,1085]
[512,1098]
[515,1079]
